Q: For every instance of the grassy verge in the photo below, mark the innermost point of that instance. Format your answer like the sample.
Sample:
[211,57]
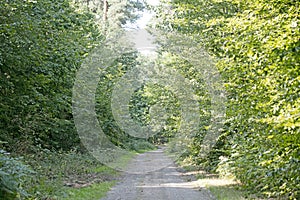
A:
[51,175]
[121,162]
[92,192]
[98,190]
[226,192]
[221,188]
[68,176]
[97,183]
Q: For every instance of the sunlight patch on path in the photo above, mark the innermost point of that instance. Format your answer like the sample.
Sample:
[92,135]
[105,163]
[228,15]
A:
[166,183]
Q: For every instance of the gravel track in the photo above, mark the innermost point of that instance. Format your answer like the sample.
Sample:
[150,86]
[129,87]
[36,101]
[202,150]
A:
[154,176]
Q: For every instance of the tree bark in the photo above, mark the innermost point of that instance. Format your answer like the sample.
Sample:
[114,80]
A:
[105,10]
[88,4]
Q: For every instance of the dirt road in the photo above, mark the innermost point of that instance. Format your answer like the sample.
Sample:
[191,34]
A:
[153,176]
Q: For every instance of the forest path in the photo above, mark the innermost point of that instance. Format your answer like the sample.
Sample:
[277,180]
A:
[155,177]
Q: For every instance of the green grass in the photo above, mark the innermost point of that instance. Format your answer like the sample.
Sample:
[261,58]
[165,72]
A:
[222,188]
[97,190]
[93,192]
[71,175]
[104,169]
[122,161]
[55,170]
[227,192]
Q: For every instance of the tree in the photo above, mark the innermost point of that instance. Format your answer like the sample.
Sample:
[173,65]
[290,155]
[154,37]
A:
[42,45]
[256,45]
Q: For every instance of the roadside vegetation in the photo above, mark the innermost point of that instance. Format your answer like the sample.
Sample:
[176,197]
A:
[43,44]
[253,46]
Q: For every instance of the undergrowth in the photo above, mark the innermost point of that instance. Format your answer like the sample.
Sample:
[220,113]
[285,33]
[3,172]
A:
[51,175]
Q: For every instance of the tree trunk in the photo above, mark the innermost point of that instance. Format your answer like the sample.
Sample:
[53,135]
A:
[105,10]
[87,4]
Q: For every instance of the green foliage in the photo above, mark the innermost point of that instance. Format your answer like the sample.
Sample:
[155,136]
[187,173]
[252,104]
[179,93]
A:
[256,44]
[166,121]
[109,77]
[190,72]
[42,45]
[95,191]
[57,173]
[13,175]
[118,13]
[140,146]
[226,193]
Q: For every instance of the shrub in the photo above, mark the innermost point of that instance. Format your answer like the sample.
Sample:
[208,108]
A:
[13,173]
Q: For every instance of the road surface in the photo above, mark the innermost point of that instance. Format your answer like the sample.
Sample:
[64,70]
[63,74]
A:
[154,176]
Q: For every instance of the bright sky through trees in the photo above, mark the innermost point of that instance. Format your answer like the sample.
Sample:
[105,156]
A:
[145,17]
[142,39]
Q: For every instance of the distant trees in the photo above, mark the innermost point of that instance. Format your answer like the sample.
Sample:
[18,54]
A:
[255,45]
[42,46]
[113,13]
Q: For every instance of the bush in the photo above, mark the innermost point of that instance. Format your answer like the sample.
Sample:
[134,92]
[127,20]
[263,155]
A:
[13,174]
[141,146]
[42,44]
[256,46]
